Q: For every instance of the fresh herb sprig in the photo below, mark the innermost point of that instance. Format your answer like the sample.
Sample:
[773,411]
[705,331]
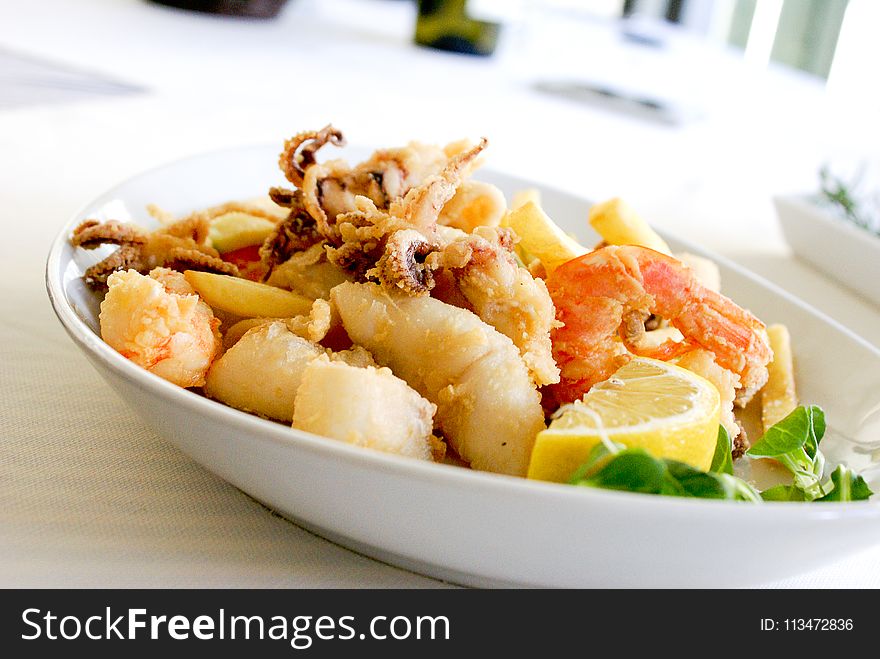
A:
[794,442]
[842,197]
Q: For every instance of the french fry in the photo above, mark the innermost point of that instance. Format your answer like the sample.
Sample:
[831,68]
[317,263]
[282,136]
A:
[245,298]
[619,224]
[542,238]
[522,197]
[235,230]
[779,396]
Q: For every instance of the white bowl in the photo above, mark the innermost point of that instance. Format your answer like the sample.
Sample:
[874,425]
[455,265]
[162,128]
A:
[847,253]
[479,528]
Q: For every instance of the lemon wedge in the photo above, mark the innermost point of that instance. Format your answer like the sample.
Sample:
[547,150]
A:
[664,409]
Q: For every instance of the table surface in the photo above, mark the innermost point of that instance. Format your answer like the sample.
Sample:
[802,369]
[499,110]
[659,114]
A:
[92,497]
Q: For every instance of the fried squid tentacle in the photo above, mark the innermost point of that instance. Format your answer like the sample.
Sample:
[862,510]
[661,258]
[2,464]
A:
[405,264]
[173,247]
[299,151]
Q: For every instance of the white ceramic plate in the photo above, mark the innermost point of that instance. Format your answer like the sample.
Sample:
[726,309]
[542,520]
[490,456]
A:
[479,528]
[847,253]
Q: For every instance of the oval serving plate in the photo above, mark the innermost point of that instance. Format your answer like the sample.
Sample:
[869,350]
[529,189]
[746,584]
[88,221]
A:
[478,528]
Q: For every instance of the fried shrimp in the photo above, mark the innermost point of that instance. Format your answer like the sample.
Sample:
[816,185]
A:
[607,294]
[505,296]
[702,362]
[487,405]
[159,322]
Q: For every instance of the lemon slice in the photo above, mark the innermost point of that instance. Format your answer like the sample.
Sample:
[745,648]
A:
[666,410]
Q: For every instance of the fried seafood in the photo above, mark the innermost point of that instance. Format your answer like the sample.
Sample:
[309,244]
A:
[404,263]
[260,373]
[313,327]
[159,322]
[354,356]
[408,308]
[179,246]
[299,151]
[296,233]
[421,206]
[363,242]
[475,204]
[273,371]
[380,411]
[261,368]
[487,405]
[702,362]
[608,294]
[237,330]
[354,211]
[330,188]
[308,272]
[505,296]
[361,238]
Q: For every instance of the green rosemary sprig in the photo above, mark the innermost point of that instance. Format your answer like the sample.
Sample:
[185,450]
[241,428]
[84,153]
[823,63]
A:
[841,196]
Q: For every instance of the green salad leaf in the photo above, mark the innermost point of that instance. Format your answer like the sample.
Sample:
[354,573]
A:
[793,442]
[722,461]
[846,485]
[600,452]
[710,484]
[783,493]
[635,470]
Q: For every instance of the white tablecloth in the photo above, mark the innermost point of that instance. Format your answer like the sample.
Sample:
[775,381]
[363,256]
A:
[89,496]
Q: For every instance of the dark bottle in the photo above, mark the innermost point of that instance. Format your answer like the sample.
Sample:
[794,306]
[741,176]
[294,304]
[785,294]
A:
[445,25]
[247,8]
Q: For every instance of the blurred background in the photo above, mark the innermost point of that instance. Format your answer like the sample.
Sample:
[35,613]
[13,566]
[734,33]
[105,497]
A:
[697,112]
